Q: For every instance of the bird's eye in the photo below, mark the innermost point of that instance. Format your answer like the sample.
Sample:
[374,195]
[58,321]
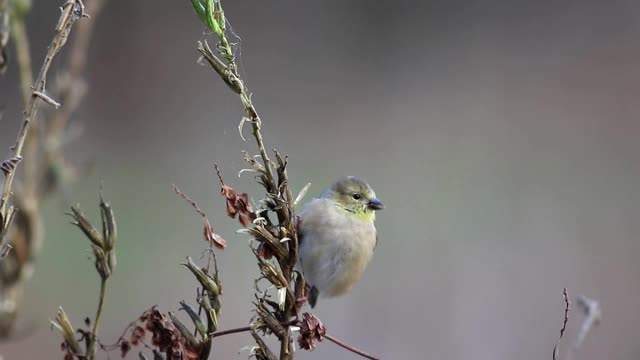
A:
[357,196]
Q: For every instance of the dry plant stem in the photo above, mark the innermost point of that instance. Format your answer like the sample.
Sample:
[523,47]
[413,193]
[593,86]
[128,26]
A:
[94,332]
[349,347]
[234,81]
[243,329]
[294,322]
[565,296]
[71,11]
[25,238]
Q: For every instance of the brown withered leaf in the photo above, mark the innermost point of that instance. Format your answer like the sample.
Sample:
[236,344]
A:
[165,336]
[265,251]
[137,335]
[125,347]
[211,237]
[238,204]
[68,354]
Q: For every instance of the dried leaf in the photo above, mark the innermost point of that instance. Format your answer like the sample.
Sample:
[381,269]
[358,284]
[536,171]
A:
[237,203]
[125,347]
[137,335]
[265,251]
[211,237]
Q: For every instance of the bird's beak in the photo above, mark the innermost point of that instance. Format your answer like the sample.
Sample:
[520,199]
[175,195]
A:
[375,204]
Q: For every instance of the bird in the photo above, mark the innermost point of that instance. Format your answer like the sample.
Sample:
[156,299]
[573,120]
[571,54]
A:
[337,237]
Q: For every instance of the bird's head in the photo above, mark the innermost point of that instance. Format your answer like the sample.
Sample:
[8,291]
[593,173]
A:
[354,195]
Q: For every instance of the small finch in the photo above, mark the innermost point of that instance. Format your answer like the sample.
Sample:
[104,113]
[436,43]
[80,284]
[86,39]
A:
[338,237]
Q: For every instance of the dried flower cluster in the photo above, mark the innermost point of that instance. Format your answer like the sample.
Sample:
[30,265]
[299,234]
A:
[237,203]
[103,246]
[165,336]
[102,243]
[311,331]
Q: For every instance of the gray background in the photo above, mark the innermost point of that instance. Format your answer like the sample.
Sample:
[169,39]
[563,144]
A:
[501,135]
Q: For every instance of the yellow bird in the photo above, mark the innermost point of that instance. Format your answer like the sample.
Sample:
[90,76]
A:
[338,237]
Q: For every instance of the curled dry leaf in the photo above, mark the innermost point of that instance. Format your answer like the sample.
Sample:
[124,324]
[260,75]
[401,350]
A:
[125,347]
[165,337]
[238,204]
[265,251]
[211,237]
[137,335]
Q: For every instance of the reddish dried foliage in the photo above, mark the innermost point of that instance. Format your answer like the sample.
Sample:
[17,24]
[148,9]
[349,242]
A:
[211,237]
[265,251]
[164,336]
[238,204]
[311,331]
[68,354]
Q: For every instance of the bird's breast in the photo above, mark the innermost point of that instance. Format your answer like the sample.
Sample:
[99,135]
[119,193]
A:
[336,246]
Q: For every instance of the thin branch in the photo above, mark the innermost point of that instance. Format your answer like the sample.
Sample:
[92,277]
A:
[96,322]
[564,324]
[244,329]
[230,331]
[296,322]
[349,347]
[189,200]
[72,11]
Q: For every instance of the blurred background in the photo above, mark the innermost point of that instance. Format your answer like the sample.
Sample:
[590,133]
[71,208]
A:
[502,137]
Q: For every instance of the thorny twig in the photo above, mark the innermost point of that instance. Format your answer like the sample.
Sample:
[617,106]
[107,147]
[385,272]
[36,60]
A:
[72,10]
[44,166]
[564,323]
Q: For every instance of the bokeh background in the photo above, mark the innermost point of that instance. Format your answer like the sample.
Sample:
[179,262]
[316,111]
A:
[502,136]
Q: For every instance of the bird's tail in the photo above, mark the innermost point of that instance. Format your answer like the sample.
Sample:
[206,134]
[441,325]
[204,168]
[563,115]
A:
[313,296]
